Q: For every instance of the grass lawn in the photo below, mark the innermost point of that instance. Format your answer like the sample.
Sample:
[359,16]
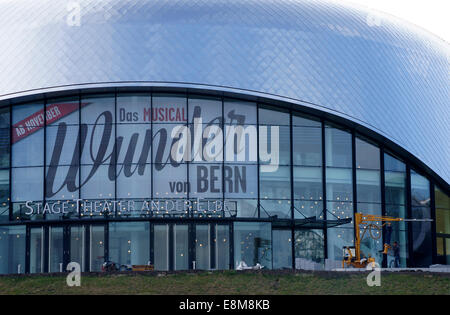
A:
[229,282]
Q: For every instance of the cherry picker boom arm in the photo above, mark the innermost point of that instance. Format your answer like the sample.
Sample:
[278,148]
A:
[369,222]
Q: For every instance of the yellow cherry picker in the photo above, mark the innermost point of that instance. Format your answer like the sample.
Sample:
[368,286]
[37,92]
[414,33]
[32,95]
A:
[352,254]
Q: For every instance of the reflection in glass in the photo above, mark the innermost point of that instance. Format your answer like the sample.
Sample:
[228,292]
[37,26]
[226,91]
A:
[420,200]
[37,250]
[202,247]
[395,194]
[27,184]
[56,249]
[133,108]
[276,185]
[12,249]
[253,244]
[97,247]
[239,112]
[161,246]
[338,147]
[337,239]
[4,195]
[282,249]
[222,242]
[27,136]
[181,247]
[77,245]
[4,147]
[95,106]
[129,243]
[309,249]
[307,183]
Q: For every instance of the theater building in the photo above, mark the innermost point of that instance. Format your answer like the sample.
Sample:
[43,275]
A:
[200,135]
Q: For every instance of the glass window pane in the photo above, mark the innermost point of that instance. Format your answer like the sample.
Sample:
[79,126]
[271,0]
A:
[4,147]
[309,250]
[77,245]
[64,110]
[274,145]
[202,247]
[161,246]
[55,249]
[27,184]
[98,109]
[282,249]
[98,182]
[443,221]
[181,247]
[308,183]
[222,242]
[252,244]
[337,239]
[5,118]
[136,143]
[61,145]
[277,184]
[273,116]
[339,184]
[307,209]
[307,145]
[4,195]
[170,181]
[12,249]
[239,112]
[420,199]
[368,186]
[300,120]
[36,250]
[395,183]
[28,135]
[56,185]
[205,181]
[129,243]
[99,146]
[394,165]
[134,181]
[242,208]
[97,247]
[420,190]
[239,181]
[170,109]
[209,110]
[241,143]
[338,147]
[367,155]
[279,208]
[133,108]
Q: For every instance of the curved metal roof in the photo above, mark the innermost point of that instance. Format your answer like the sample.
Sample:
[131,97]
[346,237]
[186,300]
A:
[387,75]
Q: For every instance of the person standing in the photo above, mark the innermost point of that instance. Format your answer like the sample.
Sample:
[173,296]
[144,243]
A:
[396,250]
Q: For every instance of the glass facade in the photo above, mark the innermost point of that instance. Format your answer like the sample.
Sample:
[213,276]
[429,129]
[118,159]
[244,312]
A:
[421,209]
[395,194]
[182,182]
[368,194]
[442,202]
[339,189]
